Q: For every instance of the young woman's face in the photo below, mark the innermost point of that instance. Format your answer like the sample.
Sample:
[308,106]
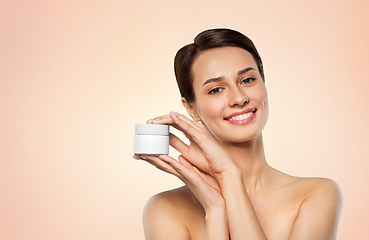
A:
[230,95]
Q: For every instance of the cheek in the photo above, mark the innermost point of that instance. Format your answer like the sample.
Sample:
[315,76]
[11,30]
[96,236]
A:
[260,95]
[263,100]
[210,109]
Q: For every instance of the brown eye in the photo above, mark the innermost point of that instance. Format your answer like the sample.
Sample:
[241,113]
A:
[215,90]
[248,80]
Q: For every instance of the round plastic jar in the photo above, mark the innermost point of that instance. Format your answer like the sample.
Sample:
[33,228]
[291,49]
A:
[151,139]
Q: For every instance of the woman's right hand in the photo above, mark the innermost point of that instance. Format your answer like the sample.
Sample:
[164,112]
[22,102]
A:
[202,185]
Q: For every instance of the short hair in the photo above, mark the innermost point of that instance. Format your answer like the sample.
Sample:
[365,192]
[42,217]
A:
[208,39]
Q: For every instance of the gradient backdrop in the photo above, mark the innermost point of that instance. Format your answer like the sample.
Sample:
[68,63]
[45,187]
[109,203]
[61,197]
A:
[75,76]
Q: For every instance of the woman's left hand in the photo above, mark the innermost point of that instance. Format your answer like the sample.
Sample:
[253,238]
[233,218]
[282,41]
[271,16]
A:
[203,151]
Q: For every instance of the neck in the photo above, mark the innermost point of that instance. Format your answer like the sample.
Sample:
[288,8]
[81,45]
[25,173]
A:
[249,157]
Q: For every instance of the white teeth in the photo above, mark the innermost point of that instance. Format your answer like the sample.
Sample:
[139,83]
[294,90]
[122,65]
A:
[241,117]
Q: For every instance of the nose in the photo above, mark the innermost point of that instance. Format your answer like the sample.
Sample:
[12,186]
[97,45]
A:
[237,97]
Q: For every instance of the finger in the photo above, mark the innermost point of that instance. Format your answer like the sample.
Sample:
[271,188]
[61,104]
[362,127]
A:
[149,160]
[188,121]
[187,128]
[184,161]
[178,144]
[200,126]
[208,178]
[189,175]
[162,165]
[198,185]
[154,120]
[187,163]
[166,120]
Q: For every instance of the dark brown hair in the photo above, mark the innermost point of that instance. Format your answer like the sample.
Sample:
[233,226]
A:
[212,38]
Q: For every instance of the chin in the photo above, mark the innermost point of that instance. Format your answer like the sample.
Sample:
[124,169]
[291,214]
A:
[239,137]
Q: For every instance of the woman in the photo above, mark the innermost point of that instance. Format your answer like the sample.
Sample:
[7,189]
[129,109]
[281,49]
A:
[231,192]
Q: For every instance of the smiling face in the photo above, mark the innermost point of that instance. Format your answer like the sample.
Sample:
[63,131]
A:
[230,95]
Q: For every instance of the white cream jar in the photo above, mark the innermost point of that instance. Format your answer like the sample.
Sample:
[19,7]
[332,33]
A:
[151,139]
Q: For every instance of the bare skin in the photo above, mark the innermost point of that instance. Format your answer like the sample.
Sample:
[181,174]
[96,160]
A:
[231,192]
[277,212]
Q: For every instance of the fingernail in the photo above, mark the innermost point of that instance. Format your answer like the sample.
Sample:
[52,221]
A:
[171,112]
[143,158]
[152,120]
[136,157]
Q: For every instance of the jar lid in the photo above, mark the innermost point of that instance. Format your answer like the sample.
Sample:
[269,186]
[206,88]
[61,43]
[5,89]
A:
[151,129]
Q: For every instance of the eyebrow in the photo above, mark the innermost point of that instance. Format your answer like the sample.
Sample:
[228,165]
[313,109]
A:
[245,70]
[217,79]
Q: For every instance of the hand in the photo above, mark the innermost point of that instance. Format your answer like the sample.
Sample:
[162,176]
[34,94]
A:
[202,185]
[203,151]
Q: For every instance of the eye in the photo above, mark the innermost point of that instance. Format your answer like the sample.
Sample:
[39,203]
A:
[248,80]
[215,90]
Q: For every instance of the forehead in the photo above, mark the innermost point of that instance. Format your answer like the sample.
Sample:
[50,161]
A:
[223,61]
[223,58]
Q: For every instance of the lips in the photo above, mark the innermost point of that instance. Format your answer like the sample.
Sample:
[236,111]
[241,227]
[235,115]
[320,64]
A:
[238,116]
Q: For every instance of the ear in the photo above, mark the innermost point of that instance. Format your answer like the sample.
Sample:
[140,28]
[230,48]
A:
[190,110]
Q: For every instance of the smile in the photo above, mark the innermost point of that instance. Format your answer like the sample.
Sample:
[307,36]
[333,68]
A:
[241,117]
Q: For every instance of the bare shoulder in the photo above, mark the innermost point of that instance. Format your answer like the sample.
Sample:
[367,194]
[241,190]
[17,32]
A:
[319,211]
[178,200]
[309,187]
[313,187]
[319,193]
[166,213]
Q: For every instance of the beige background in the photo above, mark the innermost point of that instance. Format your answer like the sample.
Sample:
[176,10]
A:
[75,76]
